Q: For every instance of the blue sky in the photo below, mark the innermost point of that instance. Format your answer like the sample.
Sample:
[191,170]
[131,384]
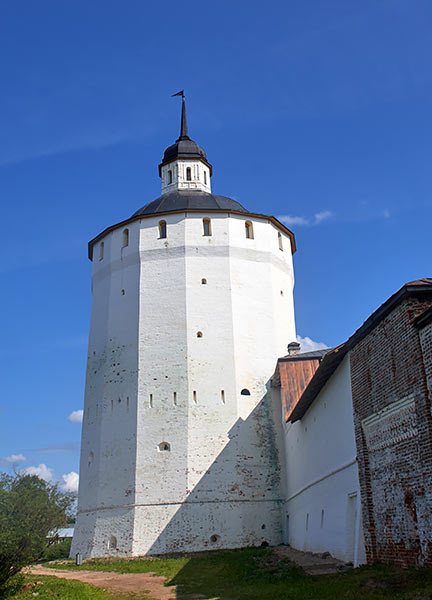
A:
[316,112]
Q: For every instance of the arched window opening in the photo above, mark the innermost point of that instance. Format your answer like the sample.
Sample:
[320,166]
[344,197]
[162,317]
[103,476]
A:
[205,177]
[199,334]
[204,281]
[280,241]
[170,176]
[101,250]
[162,229]
[112,543]
[125,238]
[249,230]
[206,227]
[245,392]
[188,174]
[164,447]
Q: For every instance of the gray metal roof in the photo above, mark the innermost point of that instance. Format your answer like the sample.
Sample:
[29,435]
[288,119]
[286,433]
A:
[189,200]
[318,354]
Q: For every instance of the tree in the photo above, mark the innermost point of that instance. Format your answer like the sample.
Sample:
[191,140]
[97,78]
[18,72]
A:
[30,509]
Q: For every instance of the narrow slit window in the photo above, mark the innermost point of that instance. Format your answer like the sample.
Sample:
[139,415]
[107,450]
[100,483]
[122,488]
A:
[125,238]
[205,177]
[175,398]
[151,400]
[113,543]
[101,250]
[280,241]
[249,230]
[162,229]
[206,227]
[195,396]
[170,176]
[188,174]
[223,396]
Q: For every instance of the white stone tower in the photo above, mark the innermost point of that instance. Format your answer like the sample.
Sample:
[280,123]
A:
[192,305]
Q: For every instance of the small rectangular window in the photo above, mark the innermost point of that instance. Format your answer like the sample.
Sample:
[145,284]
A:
[205,177]
[101,251]
[206,227]
[280,241]
[195,396]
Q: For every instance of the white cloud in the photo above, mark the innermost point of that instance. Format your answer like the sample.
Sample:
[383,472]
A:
[13,459]
[76,416]
[41,471]
[321,216]
[316,219]
[290,220]
[70,482]
[386,214]
[308,345]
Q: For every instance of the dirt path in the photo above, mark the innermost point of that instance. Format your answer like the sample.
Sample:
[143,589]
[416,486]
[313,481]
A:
[144,583]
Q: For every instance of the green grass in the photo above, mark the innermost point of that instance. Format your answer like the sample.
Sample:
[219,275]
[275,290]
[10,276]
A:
[53,588]
[257,574]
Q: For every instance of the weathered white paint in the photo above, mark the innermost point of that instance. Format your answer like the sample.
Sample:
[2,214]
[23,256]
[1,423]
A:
[200,176]
[322,511]
[221,476]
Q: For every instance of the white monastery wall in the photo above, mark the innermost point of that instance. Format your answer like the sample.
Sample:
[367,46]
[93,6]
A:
[110,405]
[218,484]
[323,496]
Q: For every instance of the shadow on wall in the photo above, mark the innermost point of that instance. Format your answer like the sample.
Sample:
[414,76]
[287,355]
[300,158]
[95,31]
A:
[238,500]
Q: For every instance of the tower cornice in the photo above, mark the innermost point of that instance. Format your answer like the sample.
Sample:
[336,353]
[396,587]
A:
[132,219]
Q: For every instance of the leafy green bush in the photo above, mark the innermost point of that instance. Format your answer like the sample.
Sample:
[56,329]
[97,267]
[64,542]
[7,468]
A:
[58,551]
[29,509]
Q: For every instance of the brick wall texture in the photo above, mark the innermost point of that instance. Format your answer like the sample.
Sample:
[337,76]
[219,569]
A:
[391,373]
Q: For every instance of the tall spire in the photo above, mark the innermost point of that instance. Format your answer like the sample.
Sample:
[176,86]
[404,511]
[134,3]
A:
[183,124]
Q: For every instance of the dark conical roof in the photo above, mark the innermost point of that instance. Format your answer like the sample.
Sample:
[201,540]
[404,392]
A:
[189,200]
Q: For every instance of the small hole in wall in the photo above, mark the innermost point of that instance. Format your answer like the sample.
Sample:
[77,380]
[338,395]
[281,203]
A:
[204,281]
[164,447]
[199,334]
[281,292]
[263,526]
[123,292]
[264,544]
[119,400]
[214,538]
[112,543]
[90,458]
[245,392]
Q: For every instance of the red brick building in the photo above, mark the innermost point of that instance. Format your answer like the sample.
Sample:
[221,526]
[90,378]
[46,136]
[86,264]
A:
[388,386]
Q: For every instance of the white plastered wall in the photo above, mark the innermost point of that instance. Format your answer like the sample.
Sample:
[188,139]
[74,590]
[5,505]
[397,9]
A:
[219,484]
[322,511]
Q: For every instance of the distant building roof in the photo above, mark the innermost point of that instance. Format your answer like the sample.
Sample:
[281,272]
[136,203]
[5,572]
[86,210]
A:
[306,355]
[333,358]
[65,532]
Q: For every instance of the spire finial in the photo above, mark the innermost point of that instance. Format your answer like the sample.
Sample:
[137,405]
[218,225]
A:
[183,126]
